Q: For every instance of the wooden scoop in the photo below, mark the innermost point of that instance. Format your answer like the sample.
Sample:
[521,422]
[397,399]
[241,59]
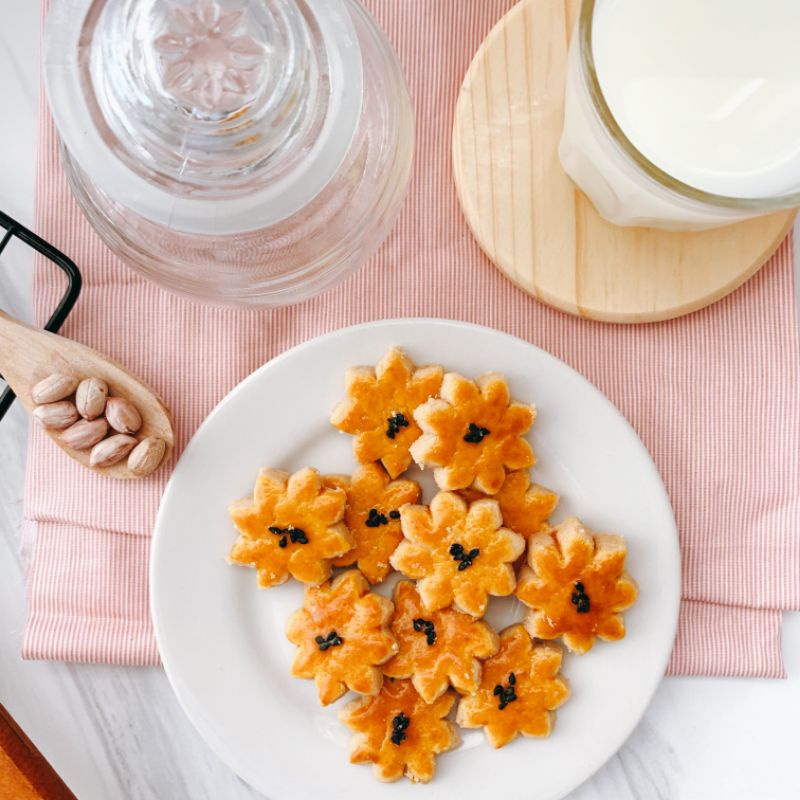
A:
[28,355]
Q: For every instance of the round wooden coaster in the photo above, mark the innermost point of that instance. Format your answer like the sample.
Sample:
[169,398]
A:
[538,228]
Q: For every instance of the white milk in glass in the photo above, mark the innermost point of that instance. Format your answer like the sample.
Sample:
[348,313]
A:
[707,90]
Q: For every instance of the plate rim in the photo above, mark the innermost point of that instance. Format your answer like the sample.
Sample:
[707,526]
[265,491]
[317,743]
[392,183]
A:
[215,743]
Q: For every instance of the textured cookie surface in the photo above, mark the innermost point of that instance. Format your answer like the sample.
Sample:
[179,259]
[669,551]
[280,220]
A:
[380,405]
[526,507]
[459,554]
[292,525]
[373,517]
[519,691]
[576,586]
[437,649]
[399,733]
[343,637]
[473,433]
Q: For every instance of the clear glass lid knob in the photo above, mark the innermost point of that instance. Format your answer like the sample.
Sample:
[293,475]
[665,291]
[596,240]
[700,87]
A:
[216,116]
[211,61]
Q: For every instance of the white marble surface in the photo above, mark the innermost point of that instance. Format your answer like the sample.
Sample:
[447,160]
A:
[116,733]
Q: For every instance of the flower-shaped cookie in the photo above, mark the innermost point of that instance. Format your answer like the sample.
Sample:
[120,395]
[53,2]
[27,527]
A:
[576,586]
[525,507]
[472,433]
[439,648]
[519,691]
[399,732]
[291,526]
[460,555]
[380,406]
[343,635]
[373,517]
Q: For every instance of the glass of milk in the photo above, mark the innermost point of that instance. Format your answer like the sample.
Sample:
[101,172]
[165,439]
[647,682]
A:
[684,114]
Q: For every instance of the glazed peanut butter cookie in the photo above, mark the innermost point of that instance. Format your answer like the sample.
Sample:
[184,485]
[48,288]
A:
[399,733]
[379,408]
[519,691]
[525,507]
[576,586]
[343,637]
[438,649]
[291,526]
[373,517]
[472,433]
[459,554]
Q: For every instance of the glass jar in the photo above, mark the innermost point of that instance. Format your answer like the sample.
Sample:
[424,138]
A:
[239,152]
[625,186]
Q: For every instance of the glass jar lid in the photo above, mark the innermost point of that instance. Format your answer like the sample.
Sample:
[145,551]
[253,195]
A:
[209,117]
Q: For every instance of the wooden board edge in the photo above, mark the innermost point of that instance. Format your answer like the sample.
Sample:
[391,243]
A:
[30,763]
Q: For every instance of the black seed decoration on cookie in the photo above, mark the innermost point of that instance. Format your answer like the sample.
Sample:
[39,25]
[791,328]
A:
[295,535]
[476,434]
[332,640]
[580,599]
[506,694]
[394,515]
[464,558]
[428,627]
[375,519]
[396,422]
[298,536]
[399,727]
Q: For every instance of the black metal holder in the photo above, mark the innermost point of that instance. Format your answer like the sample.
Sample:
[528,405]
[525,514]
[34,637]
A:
[14,230]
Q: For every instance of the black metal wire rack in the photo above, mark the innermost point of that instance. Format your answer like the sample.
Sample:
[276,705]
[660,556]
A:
[13,229]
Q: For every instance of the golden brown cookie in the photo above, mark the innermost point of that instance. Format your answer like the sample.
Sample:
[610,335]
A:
[472,433]
[576,586]
[399,733]
[519,691]
[343,635]
[460,555]
[380,405]
[437,649]
[291,526]
[373,517]
[525,507]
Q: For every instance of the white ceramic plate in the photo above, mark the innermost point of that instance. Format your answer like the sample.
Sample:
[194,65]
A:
[222,638]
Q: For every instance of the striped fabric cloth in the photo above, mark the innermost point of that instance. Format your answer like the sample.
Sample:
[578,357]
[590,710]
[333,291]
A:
[714,396]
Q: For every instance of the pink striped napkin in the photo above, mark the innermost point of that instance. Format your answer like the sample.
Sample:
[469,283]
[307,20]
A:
[715,396]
